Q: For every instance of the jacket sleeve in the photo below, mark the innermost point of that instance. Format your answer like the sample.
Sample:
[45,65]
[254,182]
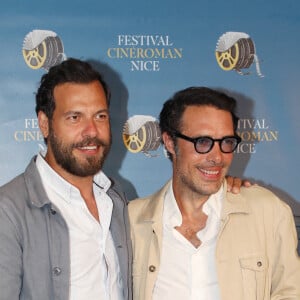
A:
[286,264]
[10,258]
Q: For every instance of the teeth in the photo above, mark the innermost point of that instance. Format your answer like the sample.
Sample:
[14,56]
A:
[89,148]
[210,172]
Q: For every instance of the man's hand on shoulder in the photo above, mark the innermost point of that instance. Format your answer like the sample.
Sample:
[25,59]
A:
[234,184]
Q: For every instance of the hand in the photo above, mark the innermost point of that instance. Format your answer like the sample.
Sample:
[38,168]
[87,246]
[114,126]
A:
[234,184]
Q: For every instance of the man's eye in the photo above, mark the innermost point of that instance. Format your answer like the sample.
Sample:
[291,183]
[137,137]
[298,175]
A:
[204,141]
[229,141]
[73,118]
[102,116]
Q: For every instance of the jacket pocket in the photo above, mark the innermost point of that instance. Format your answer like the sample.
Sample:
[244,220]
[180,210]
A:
[254,271]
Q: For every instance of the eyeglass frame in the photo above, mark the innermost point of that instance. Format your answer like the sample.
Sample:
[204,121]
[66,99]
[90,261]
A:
[194,141]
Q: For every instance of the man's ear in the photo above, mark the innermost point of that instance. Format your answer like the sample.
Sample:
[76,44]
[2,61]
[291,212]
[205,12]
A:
[43,123]
[168,142]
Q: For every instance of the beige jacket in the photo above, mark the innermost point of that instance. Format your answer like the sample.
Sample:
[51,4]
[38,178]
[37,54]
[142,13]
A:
[256,248]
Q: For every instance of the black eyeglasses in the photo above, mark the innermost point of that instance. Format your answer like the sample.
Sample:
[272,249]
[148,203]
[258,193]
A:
[204,144]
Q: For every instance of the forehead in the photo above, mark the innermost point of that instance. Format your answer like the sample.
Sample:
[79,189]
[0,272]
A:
[87,95]
[206,117]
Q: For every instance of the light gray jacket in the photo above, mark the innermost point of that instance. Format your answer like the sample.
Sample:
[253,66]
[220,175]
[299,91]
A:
[34,241]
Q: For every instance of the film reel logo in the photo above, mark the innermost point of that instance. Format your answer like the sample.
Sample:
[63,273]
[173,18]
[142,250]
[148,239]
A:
[236,51]
[141,134]
[42,49]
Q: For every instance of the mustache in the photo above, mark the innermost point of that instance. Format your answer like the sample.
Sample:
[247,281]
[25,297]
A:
[90,141]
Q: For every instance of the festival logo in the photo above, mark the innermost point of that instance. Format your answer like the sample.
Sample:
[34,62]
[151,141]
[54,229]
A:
[236,51]
[42,49]
[141,134]
[145,52]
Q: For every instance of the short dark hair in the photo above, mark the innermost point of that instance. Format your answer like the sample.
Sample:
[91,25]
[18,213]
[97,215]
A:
[70,70]
[171,114]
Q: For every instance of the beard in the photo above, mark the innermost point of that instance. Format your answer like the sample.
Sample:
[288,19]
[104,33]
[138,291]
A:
[63,154]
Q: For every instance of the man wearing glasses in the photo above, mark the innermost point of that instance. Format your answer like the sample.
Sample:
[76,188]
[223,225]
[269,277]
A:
[194,240]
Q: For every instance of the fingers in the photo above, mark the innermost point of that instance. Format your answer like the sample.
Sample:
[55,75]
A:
[234,184]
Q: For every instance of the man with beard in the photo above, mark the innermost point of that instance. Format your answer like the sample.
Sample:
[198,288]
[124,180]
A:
[192,239]
[63,223]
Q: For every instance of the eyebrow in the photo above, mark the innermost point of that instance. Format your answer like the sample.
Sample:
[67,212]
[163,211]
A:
[80,112]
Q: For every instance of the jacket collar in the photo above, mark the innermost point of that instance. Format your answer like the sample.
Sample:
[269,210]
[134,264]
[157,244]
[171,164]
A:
[36,191]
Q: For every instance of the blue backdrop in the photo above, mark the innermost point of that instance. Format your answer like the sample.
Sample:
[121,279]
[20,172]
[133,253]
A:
[147,51]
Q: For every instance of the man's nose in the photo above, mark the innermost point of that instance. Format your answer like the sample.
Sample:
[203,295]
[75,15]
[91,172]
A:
[215,154]
[90,128]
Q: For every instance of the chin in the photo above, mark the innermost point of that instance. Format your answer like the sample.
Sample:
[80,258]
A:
[211,188]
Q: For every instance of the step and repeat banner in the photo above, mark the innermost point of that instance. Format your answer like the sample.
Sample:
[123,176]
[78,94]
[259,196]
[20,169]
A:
[146,52]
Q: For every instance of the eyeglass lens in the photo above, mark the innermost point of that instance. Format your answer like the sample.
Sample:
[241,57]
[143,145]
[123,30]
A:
[205,144]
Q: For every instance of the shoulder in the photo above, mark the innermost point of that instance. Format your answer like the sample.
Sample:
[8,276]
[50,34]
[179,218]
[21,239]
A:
[145,201]
[148,208]
[11,191]
[14,205]
[264,195]
[261,201]
[22,191]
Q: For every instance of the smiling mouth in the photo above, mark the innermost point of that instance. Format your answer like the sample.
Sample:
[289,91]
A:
[208,172]
[94,147]
[89,149]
